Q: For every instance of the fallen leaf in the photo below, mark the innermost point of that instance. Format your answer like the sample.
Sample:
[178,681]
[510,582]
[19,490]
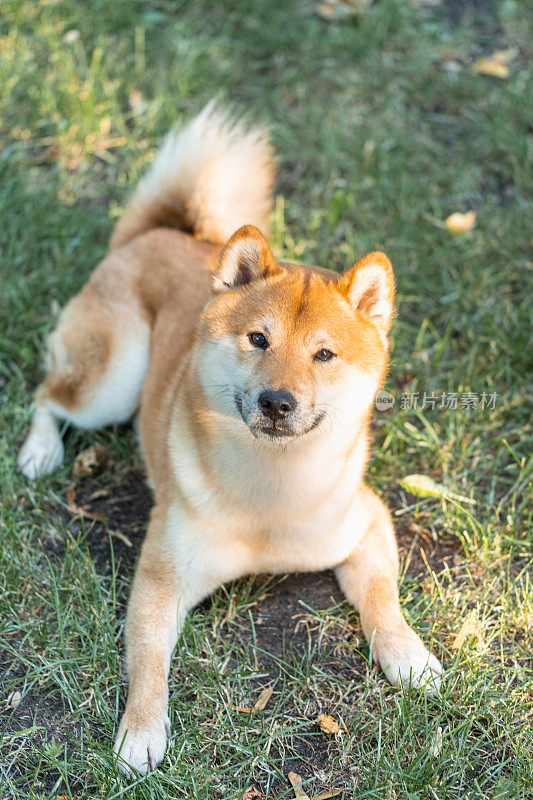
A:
[327,795]
[263,699]
[328,724]
[107,143]
[91,461]
[98,494]
[259,704]
[424,486]
[83,512]
[137,103]
[506,55]
[460,223]
[493,66]
[14,699]
[251,793]
[437,743]
[336,10]
[470,627]
[296,783]
[71,36]
[105,126]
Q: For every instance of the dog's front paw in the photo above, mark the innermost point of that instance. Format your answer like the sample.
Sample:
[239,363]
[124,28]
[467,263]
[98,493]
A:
[405,660]
[41,454]
[141,742]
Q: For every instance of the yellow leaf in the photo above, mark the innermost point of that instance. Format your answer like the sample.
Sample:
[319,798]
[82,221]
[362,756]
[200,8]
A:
[337,10]
[263,699]
[505,55]
[424,486]
[91,461]
[14,699]
[259,705]
[296,783]
[252,793]
[470,627]
[461,223]
[493,66]
[328,724]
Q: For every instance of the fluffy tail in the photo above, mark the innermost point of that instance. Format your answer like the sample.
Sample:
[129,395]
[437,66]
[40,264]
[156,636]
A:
[208,179]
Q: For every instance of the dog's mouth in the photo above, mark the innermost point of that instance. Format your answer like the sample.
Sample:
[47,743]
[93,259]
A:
[275,433]
[271,432]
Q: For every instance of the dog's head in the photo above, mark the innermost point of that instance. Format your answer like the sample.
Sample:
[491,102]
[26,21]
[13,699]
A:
[289,350]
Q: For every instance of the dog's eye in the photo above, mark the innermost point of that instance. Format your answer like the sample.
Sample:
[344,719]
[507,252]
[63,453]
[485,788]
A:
[324,355]
[258,340]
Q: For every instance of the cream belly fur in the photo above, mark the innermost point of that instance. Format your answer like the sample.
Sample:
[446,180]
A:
[255,381]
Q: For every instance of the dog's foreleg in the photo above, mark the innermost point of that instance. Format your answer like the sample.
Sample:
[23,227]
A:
[369,578]
[156,612]
[43,450]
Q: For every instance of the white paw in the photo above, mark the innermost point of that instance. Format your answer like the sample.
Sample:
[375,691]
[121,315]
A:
[41,453]
[405,660]
[141,745]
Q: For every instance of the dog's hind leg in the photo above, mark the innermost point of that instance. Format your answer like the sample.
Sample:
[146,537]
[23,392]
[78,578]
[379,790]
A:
[97,360]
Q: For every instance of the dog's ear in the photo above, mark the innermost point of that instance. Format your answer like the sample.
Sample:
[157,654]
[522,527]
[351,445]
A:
[245,258]
[369,288]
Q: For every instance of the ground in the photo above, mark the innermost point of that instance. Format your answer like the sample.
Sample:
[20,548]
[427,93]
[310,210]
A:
[382,130]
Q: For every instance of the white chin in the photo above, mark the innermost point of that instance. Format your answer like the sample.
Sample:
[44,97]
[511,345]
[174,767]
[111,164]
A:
[266,436]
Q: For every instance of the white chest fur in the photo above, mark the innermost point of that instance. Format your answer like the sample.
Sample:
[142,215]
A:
[262,509]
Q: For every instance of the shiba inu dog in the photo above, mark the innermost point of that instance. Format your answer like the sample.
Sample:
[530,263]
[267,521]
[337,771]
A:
[255,381]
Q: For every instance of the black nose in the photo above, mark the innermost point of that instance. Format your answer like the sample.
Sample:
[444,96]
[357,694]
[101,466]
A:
[276,405]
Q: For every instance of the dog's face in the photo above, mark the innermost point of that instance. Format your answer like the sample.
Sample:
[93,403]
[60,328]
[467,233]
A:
[288,351]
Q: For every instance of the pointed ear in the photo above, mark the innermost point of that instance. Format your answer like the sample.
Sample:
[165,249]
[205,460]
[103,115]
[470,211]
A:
[245,258]
[369,288]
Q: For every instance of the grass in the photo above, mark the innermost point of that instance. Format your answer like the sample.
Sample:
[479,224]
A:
[382,130]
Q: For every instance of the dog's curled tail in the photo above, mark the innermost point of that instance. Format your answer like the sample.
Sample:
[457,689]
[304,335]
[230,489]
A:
[208,179]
